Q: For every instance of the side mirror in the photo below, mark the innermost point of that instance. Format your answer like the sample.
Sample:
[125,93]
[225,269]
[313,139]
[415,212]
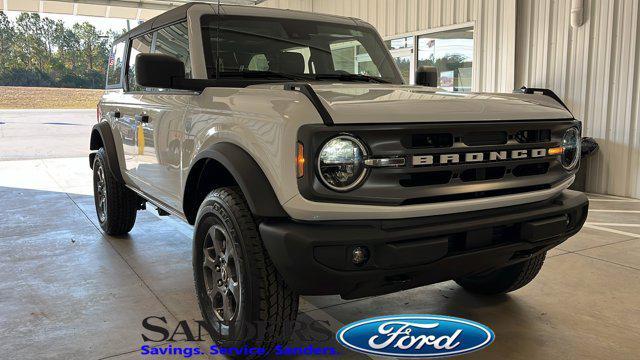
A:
[158,71]
[427,76]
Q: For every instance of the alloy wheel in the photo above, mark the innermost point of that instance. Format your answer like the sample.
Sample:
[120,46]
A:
[221,275]
[101,194]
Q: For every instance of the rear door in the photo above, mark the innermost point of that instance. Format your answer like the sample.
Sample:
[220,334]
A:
[158,116]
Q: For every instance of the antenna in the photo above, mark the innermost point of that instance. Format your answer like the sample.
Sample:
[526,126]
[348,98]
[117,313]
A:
[217,57]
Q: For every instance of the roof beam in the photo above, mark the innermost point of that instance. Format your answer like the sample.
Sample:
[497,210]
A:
[154,4]
[109,8]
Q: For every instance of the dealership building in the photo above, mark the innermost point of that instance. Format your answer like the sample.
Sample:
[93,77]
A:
[276,174]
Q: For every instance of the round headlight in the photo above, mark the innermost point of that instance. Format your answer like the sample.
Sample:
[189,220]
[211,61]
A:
[571,144]
[341,163]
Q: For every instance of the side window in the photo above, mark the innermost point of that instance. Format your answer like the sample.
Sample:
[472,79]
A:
[174,41]
[114,67]
[139,45]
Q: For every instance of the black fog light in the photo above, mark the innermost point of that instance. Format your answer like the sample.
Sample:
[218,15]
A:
[360,255]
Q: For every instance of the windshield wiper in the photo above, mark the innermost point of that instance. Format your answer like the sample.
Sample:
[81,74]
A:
[352,77]
[266,74]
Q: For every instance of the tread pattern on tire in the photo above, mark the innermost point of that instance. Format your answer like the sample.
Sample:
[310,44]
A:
[528,272]
[504,280]
[278,303]
[122,203]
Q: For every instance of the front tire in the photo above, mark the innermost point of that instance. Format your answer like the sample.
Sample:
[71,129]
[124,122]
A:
[239,290]
[116,205]
[504,280]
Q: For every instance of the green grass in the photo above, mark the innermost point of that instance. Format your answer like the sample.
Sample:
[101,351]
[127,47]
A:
[13,97]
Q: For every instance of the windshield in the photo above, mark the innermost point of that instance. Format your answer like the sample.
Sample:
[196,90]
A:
[241,46]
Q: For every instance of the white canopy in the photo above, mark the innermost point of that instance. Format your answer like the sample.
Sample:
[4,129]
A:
[122,9]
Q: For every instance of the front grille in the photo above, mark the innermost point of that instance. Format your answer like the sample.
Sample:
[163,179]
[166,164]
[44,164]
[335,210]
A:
[531,169]
[428,141]
[533,136]
[431,182]
[424,179]
[483,173]
[485,138]
[475,195]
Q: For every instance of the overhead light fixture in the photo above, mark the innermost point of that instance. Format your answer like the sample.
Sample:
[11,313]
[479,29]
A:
[577,13]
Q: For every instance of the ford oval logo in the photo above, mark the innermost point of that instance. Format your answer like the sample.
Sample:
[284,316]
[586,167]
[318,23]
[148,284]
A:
[415,336]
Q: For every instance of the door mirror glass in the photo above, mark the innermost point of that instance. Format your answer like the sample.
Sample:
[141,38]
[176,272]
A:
[158,71]
[427,76]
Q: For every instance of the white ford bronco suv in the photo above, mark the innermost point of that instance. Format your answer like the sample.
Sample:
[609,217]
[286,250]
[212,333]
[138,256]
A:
[306,171]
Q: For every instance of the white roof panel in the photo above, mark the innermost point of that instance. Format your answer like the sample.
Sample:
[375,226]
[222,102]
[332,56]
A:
[125,9]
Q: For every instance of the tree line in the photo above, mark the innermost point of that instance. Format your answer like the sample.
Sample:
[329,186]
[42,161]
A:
[38,51]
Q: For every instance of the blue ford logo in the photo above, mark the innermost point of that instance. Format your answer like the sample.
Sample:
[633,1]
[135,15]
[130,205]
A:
[415,336]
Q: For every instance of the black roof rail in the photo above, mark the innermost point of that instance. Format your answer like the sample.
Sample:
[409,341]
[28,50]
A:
[308,91]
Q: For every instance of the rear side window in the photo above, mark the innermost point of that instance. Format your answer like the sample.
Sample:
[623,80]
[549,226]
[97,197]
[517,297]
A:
[114,68]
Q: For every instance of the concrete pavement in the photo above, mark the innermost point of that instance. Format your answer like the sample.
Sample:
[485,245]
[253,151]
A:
[38,134]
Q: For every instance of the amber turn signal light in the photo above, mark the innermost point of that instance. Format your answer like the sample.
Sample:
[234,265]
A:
[556,150]
[300,160]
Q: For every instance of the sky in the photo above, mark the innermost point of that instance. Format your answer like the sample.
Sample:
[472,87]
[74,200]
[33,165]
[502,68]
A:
[102,24]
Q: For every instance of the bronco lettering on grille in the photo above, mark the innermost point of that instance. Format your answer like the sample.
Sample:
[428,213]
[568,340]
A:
[477,157]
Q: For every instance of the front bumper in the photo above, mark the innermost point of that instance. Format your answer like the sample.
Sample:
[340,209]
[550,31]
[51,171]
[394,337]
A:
[315,257]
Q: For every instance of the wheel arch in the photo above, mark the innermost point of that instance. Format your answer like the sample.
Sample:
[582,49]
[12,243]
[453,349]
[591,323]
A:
[102,137]
[226,164]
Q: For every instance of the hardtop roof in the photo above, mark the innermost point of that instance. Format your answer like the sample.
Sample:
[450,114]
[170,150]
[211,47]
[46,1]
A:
[180,13]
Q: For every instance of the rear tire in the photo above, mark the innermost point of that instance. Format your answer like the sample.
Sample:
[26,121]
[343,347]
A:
[504,280]
[116,205]
[238,288]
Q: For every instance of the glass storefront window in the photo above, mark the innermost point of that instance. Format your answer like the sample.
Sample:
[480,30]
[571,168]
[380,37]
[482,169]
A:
[401,43]
[452,53]
[401,50]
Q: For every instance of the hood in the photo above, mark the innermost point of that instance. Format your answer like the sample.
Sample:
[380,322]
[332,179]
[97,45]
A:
[382,103]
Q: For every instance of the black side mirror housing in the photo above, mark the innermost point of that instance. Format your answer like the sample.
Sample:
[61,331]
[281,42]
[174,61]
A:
[427,76]
[159,71]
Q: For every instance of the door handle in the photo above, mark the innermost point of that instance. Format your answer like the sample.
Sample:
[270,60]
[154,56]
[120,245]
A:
[143,118]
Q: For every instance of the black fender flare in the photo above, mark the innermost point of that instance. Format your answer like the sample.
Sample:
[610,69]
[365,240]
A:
[102,136]
[254,184]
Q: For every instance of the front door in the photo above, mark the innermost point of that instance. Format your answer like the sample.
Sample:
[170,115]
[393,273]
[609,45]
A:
[156,116]
[125,122]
